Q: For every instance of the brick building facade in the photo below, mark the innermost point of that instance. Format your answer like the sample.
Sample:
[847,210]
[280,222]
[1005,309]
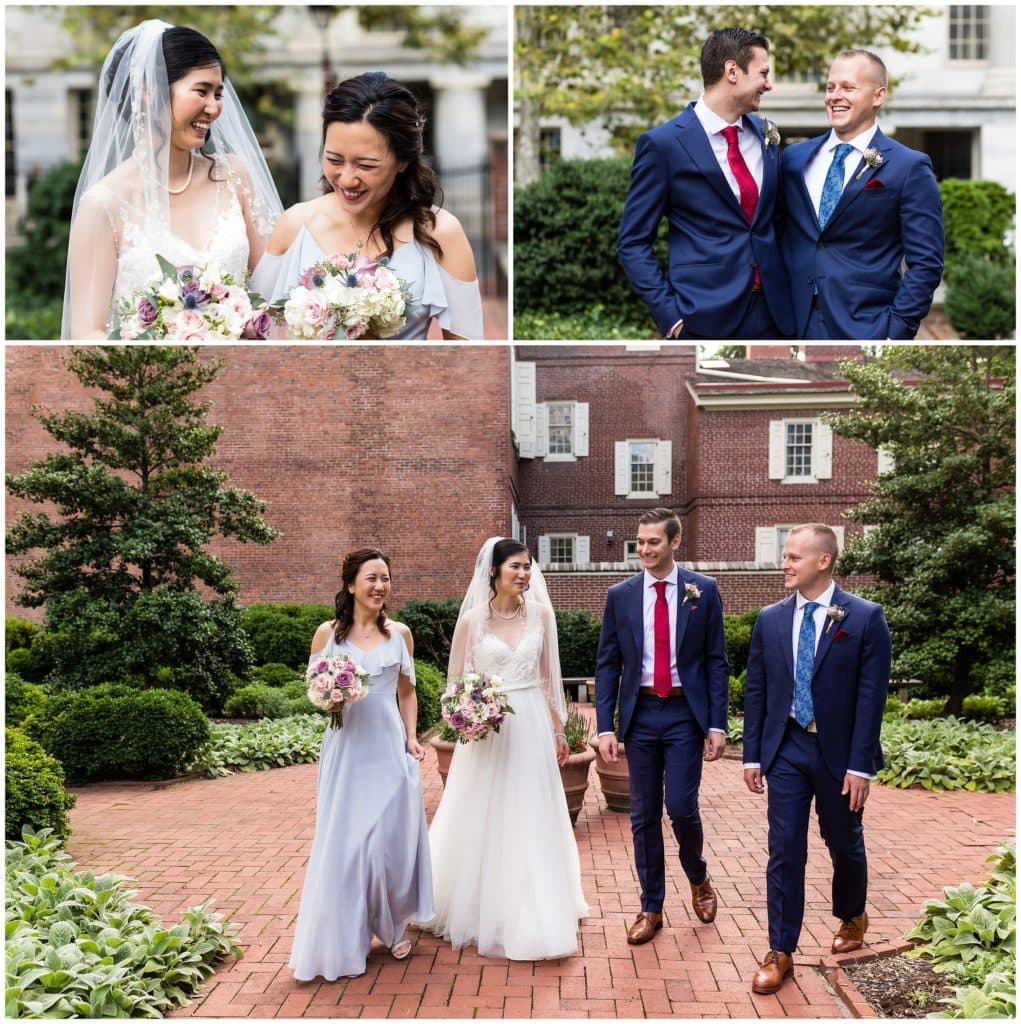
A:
[428,450]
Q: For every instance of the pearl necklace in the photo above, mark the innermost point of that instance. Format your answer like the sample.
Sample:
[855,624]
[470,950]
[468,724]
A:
[513,615]
[187,180]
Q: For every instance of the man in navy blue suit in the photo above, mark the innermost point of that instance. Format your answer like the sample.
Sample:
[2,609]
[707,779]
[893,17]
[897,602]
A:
[818,674]
[713,172]
[856,206]
[662,666]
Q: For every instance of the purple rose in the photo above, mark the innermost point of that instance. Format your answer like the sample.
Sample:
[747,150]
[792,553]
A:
[258,327]
[147,313]
[457,720]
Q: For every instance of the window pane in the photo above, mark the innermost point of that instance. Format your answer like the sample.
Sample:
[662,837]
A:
[561,428]
[799,449]
[561,550]
[968,32]
[643,468]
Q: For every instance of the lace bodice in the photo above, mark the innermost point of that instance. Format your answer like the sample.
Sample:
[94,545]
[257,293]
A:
[518,667]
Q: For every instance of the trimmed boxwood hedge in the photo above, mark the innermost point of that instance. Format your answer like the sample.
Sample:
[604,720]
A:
[35,793]
[282,633]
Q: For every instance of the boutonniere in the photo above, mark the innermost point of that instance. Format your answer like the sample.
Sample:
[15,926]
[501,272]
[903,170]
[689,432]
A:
[691,593]
[835,614]
[872,160]
[771,134]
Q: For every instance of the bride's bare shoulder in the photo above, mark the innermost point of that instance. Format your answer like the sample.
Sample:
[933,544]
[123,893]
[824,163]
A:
[121,184]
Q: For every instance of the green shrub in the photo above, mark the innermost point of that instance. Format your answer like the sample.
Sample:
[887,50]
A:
[565,242]
[34,784]
[976,217]
[21,699]
[282,633]
[981,300]
[735,700]
[25,319]
[430,685]
[18,633]
[115,732]
[980,708]
[923,710]
[947,754]
[735,733]
[78,947]
[276,674]
[578,642]
[31,662]
[259,746]
[432,625]
[595,323]
[737,631]
[257,700]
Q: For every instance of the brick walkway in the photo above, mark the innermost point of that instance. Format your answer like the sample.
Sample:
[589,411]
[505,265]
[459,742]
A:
[244,840]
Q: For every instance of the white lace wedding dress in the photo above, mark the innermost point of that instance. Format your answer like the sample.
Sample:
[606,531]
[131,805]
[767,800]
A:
[506,873]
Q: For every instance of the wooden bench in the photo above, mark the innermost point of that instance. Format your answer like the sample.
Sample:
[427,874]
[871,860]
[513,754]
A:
[577,688]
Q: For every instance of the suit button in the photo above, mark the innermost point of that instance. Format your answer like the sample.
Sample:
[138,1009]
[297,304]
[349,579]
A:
[822,245]
[811,280]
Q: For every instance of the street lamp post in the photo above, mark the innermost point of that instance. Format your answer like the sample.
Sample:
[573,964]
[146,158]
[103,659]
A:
[323,14]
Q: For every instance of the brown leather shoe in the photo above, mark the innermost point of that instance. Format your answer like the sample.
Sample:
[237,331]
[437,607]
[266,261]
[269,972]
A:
[771,975]
[647,923]
[703,901]
[851,935]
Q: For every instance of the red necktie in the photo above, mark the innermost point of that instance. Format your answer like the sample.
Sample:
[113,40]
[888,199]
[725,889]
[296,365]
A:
[661,682]
[745,182]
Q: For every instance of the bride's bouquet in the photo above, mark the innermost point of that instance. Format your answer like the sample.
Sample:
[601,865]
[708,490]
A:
[334,682]
[191,303]
[348,297]
[474,705]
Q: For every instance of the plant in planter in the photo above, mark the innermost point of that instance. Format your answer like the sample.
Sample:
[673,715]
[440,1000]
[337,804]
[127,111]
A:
[443,743]
[614,778]
[574,773]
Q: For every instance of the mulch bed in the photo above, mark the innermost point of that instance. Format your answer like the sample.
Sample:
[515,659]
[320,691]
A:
[899,986]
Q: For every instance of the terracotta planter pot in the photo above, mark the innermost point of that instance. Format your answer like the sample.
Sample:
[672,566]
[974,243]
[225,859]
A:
[444,752]
[574,775]
[614,779]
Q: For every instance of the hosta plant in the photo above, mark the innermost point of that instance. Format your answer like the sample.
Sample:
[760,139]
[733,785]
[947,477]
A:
[270,743]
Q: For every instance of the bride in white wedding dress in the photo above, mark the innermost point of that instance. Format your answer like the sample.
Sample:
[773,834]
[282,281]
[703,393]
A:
[173,168]
[506,873]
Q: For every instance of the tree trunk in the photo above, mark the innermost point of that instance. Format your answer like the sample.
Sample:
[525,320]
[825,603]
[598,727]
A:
[963,663]
[526,144]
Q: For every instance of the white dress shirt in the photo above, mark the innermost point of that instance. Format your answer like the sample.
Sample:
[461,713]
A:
[818,167]
[824,600]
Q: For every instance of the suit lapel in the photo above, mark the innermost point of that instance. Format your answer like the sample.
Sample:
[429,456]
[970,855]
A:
[770,164]
[636,612]
[785,632]
[800,160]
[692,137]
[683,608]
[830,630]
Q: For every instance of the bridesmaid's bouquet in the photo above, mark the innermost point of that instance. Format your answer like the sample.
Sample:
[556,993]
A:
[334,682]
[191,303]
[474,705]
[348,297]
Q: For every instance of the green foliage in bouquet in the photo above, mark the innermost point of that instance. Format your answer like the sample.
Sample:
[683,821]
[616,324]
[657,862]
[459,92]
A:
[34,788]
[947,754]
[77,946]
[117,732]
[971,936]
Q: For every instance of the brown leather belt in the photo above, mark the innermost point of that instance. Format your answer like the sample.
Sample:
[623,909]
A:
[650,694]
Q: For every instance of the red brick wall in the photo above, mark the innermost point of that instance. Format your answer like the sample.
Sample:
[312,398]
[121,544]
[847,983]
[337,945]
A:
[348,445]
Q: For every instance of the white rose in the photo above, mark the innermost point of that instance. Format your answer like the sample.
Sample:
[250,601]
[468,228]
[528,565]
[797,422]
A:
[169,290]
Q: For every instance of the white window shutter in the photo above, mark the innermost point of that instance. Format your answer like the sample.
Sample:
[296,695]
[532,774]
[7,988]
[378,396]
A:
[822,450]
[664,467]
[581,428]
[765,544]
[524,409]
[884,461]
[544,549]
[541,430]
[777,444]
[839,531]
[582,550]
[621,467]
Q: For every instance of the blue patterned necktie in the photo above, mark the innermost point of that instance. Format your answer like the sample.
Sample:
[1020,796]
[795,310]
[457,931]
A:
[834,184]
[803,710]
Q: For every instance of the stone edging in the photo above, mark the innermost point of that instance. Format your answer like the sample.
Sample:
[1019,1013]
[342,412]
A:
[832,968]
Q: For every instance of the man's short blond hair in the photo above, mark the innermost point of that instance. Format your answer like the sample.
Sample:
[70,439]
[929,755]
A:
[825,534]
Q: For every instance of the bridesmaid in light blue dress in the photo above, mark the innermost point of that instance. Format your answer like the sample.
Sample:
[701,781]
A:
[369,872]
[380,200]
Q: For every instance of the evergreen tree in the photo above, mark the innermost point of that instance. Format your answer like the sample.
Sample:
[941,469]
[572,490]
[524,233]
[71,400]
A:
[942,543]
[130,590]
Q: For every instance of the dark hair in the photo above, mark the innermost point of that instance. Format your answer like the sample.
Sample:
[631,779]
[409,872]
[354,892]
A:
[184,50]
[662,515]
[729,44]
[394,112]
[502,550]
[344,602]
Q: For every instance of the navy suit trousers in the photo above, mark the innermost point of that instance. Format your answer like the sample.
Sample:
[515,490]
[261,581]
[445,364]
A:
[664,745]
[796,775]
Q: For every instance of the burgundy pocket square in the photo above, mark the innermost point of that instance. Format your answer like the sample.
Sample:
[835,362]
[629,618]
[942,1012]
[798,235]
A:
[874,183]
[840,635]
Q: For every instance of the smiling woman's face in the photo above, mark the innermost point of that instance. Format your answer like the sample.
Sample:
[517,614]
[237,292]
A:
[359,165]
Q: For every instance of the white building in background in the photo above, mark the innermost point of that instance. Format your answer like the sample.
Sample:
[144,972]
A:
[955,99]
[49,113]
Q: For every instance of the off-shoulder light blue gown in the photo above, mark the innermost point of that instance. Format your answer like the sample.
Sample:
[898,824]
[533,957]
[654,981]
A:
[369,871]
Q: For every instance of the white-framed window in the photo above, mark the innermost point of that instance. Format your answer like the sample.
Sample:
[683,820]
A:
[81,104]
[561,431]
[968,32]
[642,467]
[564,549]
[631,552]
[800,451]
[769,541]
